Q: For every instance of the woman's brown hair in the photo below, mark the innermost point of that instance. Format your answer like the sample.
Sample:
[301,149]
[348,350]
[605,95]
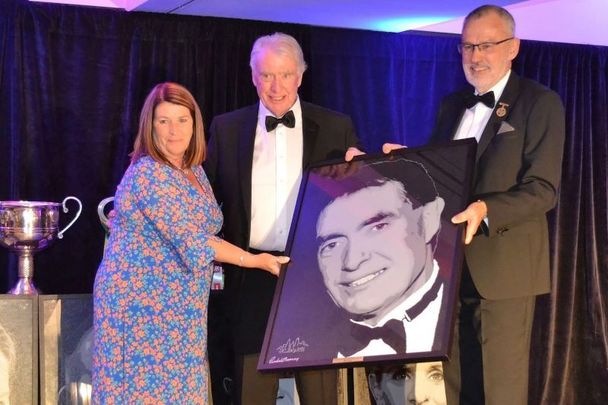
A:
[144,142]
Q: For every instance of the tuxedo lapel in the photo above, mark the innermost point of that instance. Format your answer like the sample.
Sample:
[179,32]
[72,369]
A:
[488,133]
[458,114]
[450,115]
[507,99]
[310,131]
[246,141]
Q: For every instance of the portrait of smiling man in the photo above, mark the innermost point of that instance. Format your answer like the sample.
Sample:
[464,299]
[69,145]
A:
[376,241]
[375,261]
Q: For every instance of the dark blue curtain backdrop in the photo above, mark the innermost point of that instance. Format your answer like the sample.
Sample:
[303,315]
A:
[73,79]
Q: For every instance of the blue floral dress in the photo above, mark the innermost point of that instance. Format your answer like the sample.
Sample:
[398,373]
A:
[152,288]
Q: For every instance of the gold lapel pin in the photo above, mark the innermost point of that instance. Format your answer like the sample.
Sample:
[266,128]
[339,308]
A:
[501,111]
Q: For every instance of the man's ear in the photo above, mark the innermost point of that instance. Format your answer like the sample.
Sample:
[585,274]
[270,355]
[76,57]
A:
[431,217]
[513,48]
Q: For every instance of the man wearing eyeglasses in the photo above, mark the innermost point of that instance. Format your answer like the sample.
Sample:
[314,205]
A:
[519,126]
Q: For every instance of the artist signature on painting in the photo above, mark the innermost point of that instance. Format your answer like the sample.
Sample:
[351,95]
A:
[283,359]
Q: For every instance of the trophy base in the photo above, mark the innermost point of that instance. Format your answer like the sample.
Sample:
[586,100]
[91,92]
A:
[25,286]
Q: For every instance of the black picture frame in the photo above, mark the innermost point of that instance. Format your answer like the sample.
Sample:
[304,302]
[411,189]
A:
[66,344]
[19,348]
[310,323]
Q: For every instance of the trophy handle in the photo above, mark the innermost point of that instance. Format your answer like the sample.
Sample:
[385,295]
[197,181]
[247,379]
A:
[101,207]
[65,209]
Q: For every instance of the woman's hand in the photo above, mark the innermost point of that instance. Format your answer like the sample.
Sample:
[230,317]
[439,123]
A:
[266,261]
[226,252]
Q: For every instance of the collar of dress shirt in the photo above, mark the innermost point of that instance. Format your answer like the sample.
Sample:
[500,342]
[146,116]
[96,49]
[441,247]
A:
[399,311]
[498,88]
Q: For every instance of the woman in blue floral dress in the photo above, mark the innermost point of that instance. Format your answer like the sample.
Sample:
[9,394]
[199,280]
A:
[152,287]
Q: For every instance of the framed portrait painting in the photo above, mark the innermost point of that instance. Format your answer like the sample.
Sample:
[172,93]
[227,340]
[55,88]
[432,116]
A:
[375,261]
[18,349]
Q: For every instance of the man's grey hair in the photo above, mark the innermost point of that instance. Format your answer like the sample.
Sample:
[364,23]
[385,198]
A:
[281,44]
[488,9]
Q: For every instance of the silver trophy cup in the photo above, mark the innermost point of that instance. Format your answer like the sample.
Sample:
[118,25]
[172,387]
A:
[27,227]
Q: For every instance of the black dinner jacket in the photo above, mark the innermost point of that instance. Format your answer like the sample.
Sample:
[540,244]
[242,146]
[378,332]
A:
[517,174]
[326,135]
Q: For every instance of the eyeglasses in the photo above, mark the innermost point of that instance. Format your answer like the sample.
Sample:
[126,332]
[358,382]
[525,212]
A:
[466,48]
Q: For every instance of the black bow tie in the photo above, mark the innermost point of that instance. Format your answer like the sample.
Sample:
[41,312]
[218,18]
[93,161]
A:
[487,98]
[392,333]
[289,120]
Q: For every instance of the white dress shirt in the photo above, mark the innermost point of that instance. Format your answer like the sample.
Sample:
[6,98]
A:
[275,180]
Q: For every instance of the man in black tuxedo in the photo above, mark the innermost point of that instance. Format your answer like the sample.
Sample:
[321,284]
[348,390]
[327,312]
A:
[376,237]
[519,126]
[255,160]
